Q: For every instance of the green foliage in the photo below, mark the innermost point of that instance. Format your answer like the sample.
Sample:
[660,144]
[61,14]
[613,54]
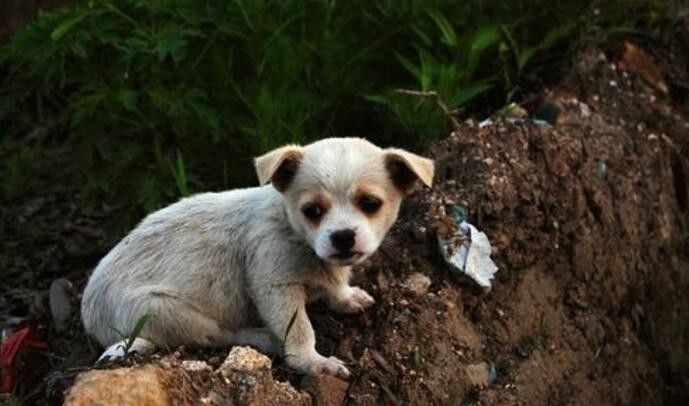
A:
[148,99]
[17,169]
[180,174]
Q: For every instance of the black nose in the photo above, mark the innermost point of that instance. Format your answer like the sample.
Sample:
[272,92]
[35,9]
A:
[343,240]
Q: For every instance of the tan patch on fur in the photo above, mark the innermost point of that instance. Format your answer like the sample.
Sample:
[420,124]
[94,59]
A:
[317,198]
[375,191]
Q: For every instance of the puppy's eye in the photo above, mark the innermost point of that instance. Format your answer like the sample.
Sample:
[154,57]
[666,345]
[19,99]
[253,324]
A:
[313,211]
[369,204]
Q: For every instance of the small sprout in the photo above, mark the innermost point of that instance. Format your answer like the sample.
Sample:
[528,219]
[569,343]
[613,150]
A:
[134,333]
[289,328]
[138,327]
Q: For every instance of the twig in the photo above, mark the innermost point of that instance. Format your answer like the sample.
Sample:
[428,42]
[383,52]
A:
[438,100]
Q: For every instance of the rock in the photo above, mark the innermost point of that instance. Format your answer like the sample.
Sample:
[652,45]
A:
[145,385]
[244,378]
[194,366]
[478,374]
[637,60]
[248,372]
[382,362]
[326,390]
[61,303]
[245,359]
[382,282]
[418,284]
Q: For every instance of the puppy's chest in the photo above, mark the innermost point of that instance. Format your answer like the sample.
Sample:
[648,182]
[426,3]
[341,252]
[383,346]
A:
[314,293]
[317,281]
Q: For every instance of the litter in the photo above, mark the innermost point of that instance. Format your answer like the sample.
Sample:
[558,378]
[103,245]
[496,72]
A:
[469,253]
[489,121]
[515,114]
[24,337]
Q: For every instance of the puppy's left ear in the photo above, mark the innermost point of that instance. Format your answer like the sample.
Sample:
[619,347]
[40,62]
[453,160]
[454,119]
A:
[406,168]
[279,166]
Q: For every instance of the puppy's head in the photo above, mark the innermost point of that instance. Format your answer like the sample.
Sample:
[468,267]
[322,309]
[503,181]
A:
[343,194]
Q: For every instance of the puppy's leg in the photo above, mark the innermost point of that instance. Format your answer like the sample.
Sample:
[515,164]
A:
[176,321]
[345,298]
[279,305]
[261,338]
[173,322]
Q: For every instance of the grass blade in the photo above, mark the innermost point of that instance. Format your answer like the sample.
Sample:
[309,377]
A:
[65,26]
[290,324]
[138,327]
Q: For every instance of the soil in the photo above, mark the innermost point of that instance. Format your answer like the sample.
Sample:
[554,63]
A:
[589,222]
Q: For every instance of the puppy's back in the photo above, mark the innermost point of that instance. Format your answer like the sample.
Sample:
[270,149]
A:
[187,250]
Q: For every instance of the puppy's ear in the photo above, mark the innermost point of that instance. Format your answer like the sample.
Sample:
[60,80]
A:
[279,166]
[405,168]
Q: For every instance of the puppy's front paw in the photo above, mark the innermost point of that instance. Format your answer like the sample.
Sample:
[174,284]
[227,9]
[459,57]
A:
[316,364]
[353,300]
[329,366]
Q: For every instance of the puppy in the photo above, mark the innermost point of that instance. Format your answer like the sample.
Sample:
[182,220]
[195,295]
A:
[212,268]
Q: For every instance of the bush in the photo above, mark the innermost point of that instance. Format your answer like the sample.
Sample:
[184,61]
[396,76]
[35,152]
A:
[148,99]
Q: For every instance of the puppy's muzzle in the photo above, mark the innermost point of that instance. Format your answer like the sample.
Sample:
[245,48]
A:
[343,240]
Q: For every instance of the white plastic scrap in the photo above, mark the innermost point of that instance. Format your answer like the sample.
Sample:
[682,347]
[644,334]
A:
[473,255]
[489,121]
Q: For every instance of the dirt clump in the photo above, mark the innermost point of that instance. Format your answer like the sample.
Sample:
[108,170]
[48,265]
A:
[244,378]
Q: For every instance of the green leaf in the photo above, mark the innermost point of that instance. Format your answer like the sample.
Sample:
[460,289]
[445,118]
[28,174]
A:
[485,37]
[449,36]
[290,324]
[173,43]
[428,69]
[525,56]
[118,332]
[127,98]
[65,26]
[377,98]
[179,172]
[409,65]
[138,327]
[508,34]
[467,94]
[425,39]
[557,34]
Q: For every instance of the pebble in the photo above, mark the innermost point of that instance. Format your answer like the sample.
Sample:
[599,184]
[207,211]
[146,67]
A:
[418,284]
[478,374]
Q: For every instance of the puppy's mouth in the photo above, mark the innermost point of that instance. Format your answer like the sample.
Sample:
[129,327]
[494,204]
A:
[347,256]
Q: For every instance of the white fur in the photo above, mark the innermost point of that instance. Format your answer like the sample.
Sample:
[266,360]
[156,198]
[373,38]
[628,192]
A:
[211,267]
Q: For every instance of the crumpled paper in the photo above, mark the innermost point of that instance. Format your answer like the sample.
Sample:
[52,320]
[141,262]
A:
[472,257]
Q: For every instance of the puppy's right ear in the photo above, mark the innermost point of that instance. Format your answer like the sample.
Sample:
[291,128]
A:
[279,166]
[406,168]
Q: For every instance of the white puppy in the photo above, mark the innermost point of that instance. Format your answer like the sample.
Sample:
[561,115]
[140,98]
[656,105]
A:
[211,267]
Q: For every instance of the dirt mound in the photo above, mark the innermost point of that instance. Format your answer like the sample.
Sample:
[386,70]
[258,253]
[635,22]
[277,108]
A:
[588,219]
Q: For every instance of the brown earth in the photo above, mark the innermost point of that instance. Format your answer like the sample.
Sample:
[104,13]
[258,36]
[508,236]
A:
[589,222]
[589,219]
